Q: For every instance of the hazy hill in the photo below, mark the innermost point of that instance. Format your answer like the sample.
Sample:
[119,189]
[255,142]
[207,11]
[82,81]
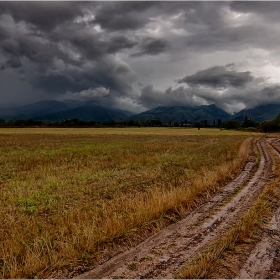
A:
[259,113]
[183,113]
[32,110]
[88,113]
[70,109]
[90,110]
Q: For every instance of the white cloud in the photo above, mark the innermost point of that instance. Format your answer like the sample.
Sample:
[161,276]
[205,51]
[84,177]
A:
[93,93]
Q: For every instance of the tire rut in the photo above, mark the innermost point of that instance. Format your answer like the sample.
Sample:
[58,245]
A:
[163,254]
[263,261]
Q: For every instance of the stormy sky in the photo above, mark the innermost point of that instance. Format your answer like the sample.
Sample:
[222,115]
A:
[138,55]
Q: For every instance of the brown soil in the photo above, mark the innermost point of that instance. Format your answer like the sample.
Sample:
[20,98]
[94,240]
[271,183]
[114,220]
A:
[163,254]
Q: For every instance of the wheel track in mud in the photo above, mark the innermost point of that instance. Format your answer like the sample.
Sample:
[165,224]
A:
[163,254]
[263,261]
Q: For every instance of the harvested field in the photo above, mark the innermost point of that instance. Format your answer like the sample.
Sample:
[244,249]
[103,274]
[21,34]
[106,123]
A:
[72,202]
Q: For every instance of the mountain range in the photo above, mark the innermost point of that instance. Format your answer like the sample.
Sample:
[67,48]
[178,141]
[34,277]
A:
[186,114]
[91,111]
[259,113]
[57,111]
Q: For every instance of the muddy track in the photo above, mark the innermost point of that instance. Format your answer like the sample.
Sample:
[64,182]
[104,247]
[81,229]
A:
[264,260]
[162,255]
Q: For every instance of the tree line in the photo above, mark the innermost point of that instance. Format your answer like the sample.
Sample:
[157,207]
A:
[265,126]
[271,126]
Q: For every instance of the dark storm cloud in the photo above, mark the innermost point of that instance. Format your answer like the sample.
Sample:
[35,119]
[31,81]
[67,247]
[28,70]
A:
[218,77]
[72,57]
[93,45]
[119,42]
[107,72]
[56,84]
[151,46]
[59,48]
[126,15]
[13,63]
[43,14]
[42,45]
[19,41]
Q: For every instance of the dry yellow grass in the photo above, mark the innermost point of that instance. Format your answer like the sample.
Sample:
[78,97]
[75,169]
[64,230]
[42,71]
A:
[127,131]
[66,196]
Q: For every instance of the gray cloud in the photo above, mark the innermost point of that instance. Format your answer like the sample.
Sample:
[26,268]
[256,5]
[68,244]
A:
[267,10]
[114,16]
[151,46]
[20,41]
[118,43]
[107,72]
[13,63]
[230,98]
[93,45]
[53,49]
[271,92]
[151,97]
[92,93]
[43,14]
[218,77]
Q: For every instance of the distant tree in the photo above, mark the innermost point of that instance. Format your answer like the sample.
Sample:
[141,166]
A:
[232,124]
[198,125]
[248,123]
[271,126]
[132,122]
[20,123]
[155,122]
[205,123]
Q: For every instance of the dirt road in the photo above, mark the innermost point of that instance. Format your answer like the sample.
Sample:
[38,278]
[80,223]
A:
[162,255]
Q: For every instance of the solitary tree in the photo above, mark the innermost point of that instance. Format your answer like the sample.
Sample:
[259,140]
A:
[198,125]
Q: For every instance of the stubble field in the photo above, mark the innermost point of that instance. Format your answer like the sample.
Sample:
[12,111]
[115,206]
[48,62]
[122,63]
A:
[69,195]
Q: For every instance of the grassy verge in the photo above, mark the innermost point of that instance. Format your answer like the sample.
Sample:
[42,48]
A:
[65,197]
[253,220]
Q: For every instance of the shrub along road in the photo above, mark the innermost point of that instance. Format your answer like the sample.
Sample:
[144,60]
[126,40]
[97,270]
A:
[219,229]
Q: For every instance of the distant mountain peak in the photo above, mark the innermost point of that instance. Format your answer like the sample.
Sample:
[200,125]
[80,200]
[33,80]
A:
[183,113]
[259,113]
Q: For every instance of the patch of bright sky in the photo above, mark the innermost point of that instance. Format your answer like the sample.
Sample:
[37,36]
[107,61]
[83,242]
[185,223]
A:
[234,108]
[161,26]
[236,19]
[199,101]
[86,18]
[261,64]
